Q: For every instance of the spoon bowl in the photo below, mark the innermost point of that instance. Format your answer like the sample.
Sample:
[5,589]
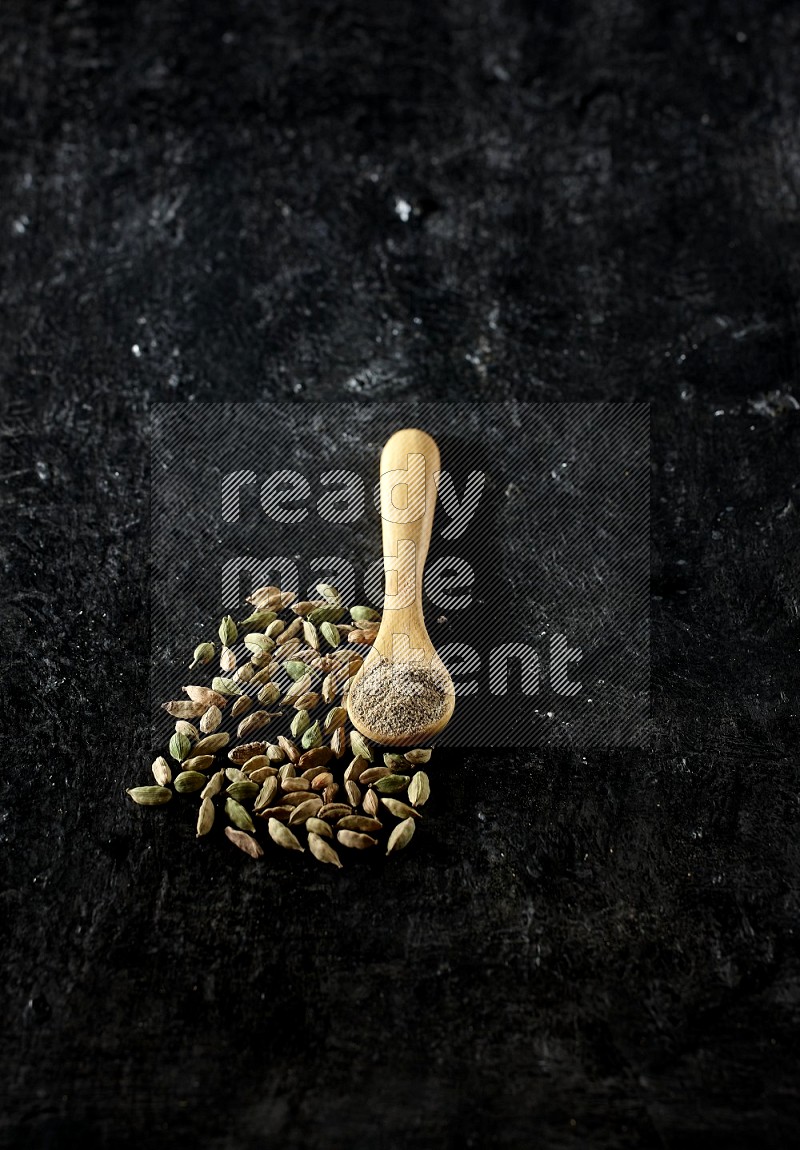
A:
[403,660]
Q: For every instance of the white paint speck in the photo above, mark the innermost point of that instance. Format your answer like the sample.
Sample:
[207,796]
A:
[403,210]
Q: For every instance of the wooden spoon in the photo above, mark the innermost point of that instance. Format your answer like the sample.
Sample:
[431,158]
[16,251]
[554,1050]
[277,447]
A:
[409,462]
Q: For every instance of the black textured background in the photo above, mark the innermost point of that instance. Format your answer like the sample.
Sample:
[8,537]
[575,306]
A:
[206,200]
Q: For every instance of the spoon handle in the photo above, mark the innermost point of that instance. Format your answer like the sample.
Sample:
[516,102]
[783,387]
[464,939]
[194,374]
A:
[409,462]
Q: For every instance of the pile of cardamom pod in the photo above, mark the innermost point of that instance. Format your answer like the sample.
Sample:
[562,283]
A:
[319,784]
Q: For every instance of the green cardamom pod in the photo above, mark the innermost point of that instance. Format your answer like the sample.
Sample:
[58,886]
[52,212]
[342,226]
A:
[213,786]
[419,790]
[391,784]
[150,796]
[420,755]
[326,614]
[258,644]
[228,632]
[329,592]
[203,653]
[312,736]
[269,693]
[335,717]
[360,745]
[258,621]
[401,836]
[300,723]
[238,815]
[179,747]
[243,789]
[394,761]
[330,633]
[188,781]
[225,686]
[205,817]
[296,669]
[365,615]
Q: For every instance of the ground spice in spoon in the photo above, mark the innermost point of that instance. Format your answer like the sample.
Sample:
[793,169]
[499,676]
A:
[399,698]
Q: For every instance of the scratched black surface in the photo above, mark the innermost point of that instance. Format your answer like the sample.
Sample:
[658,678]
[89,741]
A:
[558,201]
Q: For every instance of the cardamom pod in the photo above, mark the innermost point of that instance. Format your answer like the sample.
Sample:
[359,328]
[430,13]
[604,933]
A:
[419,789]
[275,628]
[371,804]
[353,793]
[258,621]
[205,817]
[255,763]
[316,826]
[330,594]
[330,633]
[206,696]
[401,836]
[312,736]
[325,613]
[391,784]
[183,727]
[365,615]
[269,694]
[400,810]
[228,632]
[203,654]
[238,815]
[246,673]
[289,749]
[265,597]
[300,723]
[360,746]
[183,709]
[150,796]
[262,773]
[198,763]
[266,794]
[359,823]
[296,668]
[356,841]
[372,774]
[419,755]
[316,757]
[161,771]
[339,742]
[253,722]
[275,754]
[179,747]
[304,810]
[212,743]
[335,717]
[241,706]
[281,813]
[283,836]
[227,659]
[235,775]
[295,784]
[226,686]
[394,762]
[356,769]
[210,720]
[307,702]
[245,842]
[322,780]
[239,755]
[243,789]
[329,688]
[258,644]
[213,786]
[323,851]
[330,792]
[310,634]
[294,628]
[188,781]
[332,812]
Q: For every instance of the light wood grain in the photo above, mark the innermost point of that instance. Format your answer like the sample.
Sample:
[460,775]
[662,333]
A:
[409,463]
